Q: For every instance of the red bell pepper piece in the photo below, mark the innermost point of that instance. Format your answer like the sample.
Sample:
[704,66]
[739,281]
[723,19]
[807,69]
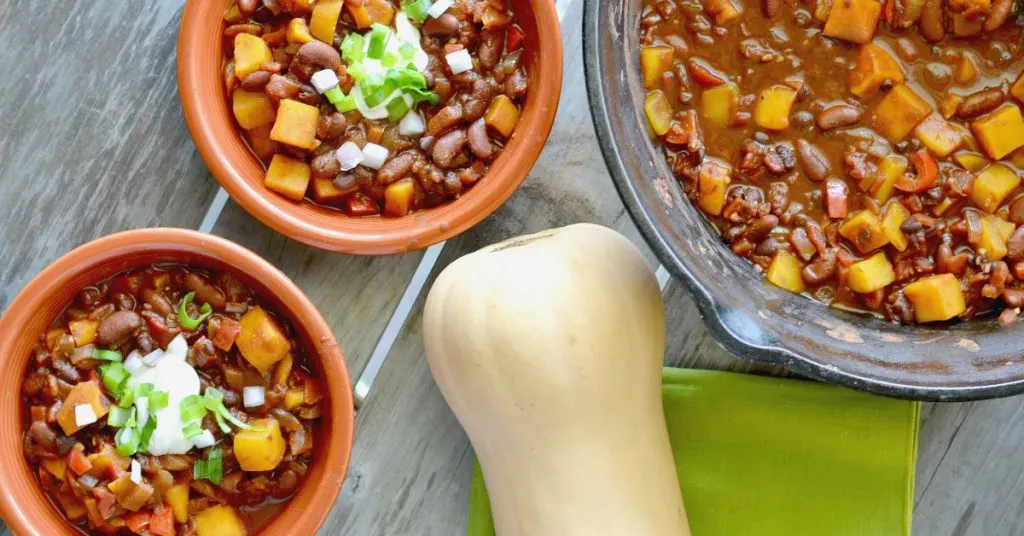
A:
[514,38]
[926,176]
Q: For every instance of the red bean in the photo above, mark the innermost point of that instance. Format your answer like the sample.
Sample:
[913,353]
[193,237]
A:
[256,80]
[490,48]
[444,25]
[118,327]
[448,117]
[395,169]
[319,53]
[479,141]
[840,115]
[448,148]
[205,291]
[815,163]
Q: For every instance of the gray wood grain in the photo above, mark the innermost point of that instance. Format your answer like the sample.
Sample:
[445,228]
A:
[93,136]
[356,295]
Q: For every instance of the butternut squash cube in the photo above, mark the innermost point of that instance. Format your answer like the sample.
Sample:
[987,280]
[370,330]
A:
[502,116]
[380,11]
[1003,228]
[260,450]
[773,107]
[654,62]
[324,191]
[993,186]
[712,182]
[892,167]
[288,177]
[936,298]
[718,105]
[324,20]
[250,53]
[972,162]
[938,135]
[875,66]
[871,274]
[991,240]
[296,124]
[1017,89]
[949,105]
[966,70]
[894,216]
[1017,158]
[58,467]
[398,197]
[293,398]
[252,109]
[219,520]
[82,393]
[900,111]
[864,230]
[1000,132]
[722,11]
[853,20]
[821,9]
[83,331]
[298,32]
[177,496]
[658,111]
[784,272]
[261,340]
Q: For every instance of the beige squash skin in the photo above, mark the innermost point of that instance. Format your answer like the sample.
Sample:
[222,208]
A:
[549,349]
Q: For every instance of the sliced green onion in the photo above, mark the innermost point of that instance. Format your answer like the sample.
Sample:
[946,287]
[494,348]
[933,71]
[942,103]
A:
[214,401]
[379,37]
[188,322]
[127,441]
[113,374]
[158,400]
[127,397]
[147,432]
[211,468]
[346,104]
[416,9]
[213,398]
[423,95]
[334,95]
[118,417]
[192,409]
[107,355]
[192,429]
[352,48]
[224,428]
[358,72]
[380,94]
[407,78]
[407,51]
[389,60]
[397,109]
[143,389]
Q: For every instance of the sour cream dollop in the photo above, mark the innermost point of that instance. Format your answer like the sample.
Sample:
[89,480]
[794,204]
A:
[172,374]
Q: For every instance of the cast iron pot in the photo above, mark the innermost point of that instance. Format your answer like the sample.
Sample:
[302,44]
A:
[749,317]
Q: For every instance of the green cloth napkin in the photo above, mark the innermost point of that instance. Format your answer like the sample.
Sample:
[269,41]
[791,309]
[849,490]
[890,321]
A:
[759,456]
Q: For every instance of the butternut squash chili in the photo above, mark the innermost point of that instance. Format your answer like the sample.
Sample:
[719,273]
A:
[169,401]
[866,153]
[373,106]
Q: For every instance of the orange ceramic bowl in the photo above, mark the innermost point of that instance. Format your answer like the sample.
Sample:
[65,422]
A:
[23,504]
[221,145]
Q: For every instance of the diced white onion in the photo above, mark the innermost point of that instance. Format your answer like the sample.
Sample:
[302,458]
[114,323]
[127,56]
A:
[252,396]
[349,155]
[412,124]
[324,80]
[439,7]
[142,411]
[133,363]
[84,415]
[136,472]
[374,155]
[178,348]
[460,61]
[205,440]
[236,308]
[151,359]
[88,481]
[407,33]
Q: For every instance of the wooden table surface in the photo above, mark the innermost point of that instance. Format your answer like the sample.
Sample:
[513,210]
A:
[93,142]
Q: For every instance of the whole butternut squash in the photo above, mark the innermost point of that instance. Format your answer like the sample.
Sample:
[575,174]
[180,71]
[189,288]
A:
[549,349]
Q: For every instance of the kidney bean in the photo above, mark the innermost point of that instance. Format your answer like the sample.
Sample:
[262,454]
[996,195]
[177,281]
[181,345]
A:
[317,52]
[1016,214]
[308,95]
[516,85]
[477,102]
[490,48]
[1015,245]
[448,148]
[395,169]
[235,29]
[117,327]
[479,141]
[840,115]
[256,80]
[448,117]
[282,87]
[980,103]
[814,162]
[325,166]
[761,227]
[205,291]
[331,126]
[768,247]
[248,7]
[771,7]
[932,21]
[1008,317]
[1014,297]
[999,14]
[43,435]
[821,269]
[443,26]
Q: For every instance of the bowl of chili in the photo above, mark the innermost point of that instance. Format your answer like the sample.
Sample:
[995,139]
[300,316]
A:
[830,198]
[107,350]
[370,126]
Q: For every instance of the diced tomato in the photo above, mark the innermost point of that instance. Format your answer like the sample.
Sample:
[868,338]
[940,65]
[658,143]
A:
[360,205]
[158,329]
[38,413]
[138,522]
[836,194]
[514,38]
[78,462]
[224,338]
[162,524]
[106,501]
[51,414]
[703,74]
[926,177]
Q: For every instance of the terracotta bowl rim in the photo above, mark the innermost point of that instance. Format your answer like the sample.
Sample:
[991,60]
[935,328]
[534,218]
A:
[240,173]
[24,506]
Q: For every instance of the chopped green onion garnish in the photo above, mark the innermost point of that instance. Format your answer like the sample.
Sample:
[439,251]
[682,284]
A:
[334,95]
[192,409]
[211,468]
[213,398]
[188,322]
[380,94]
[107,355]
[224,428]
[416,9]
[423,95]
[407,78]
[158,400]
[143,389]
[397,109]
[147,432]
[379,37]
[346,104]
[357,71]
[127,441]
[352,48]
[389,60]
[192,429]
[214,401]
[127,395]
[113,374]
[118,417]
[407,51]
